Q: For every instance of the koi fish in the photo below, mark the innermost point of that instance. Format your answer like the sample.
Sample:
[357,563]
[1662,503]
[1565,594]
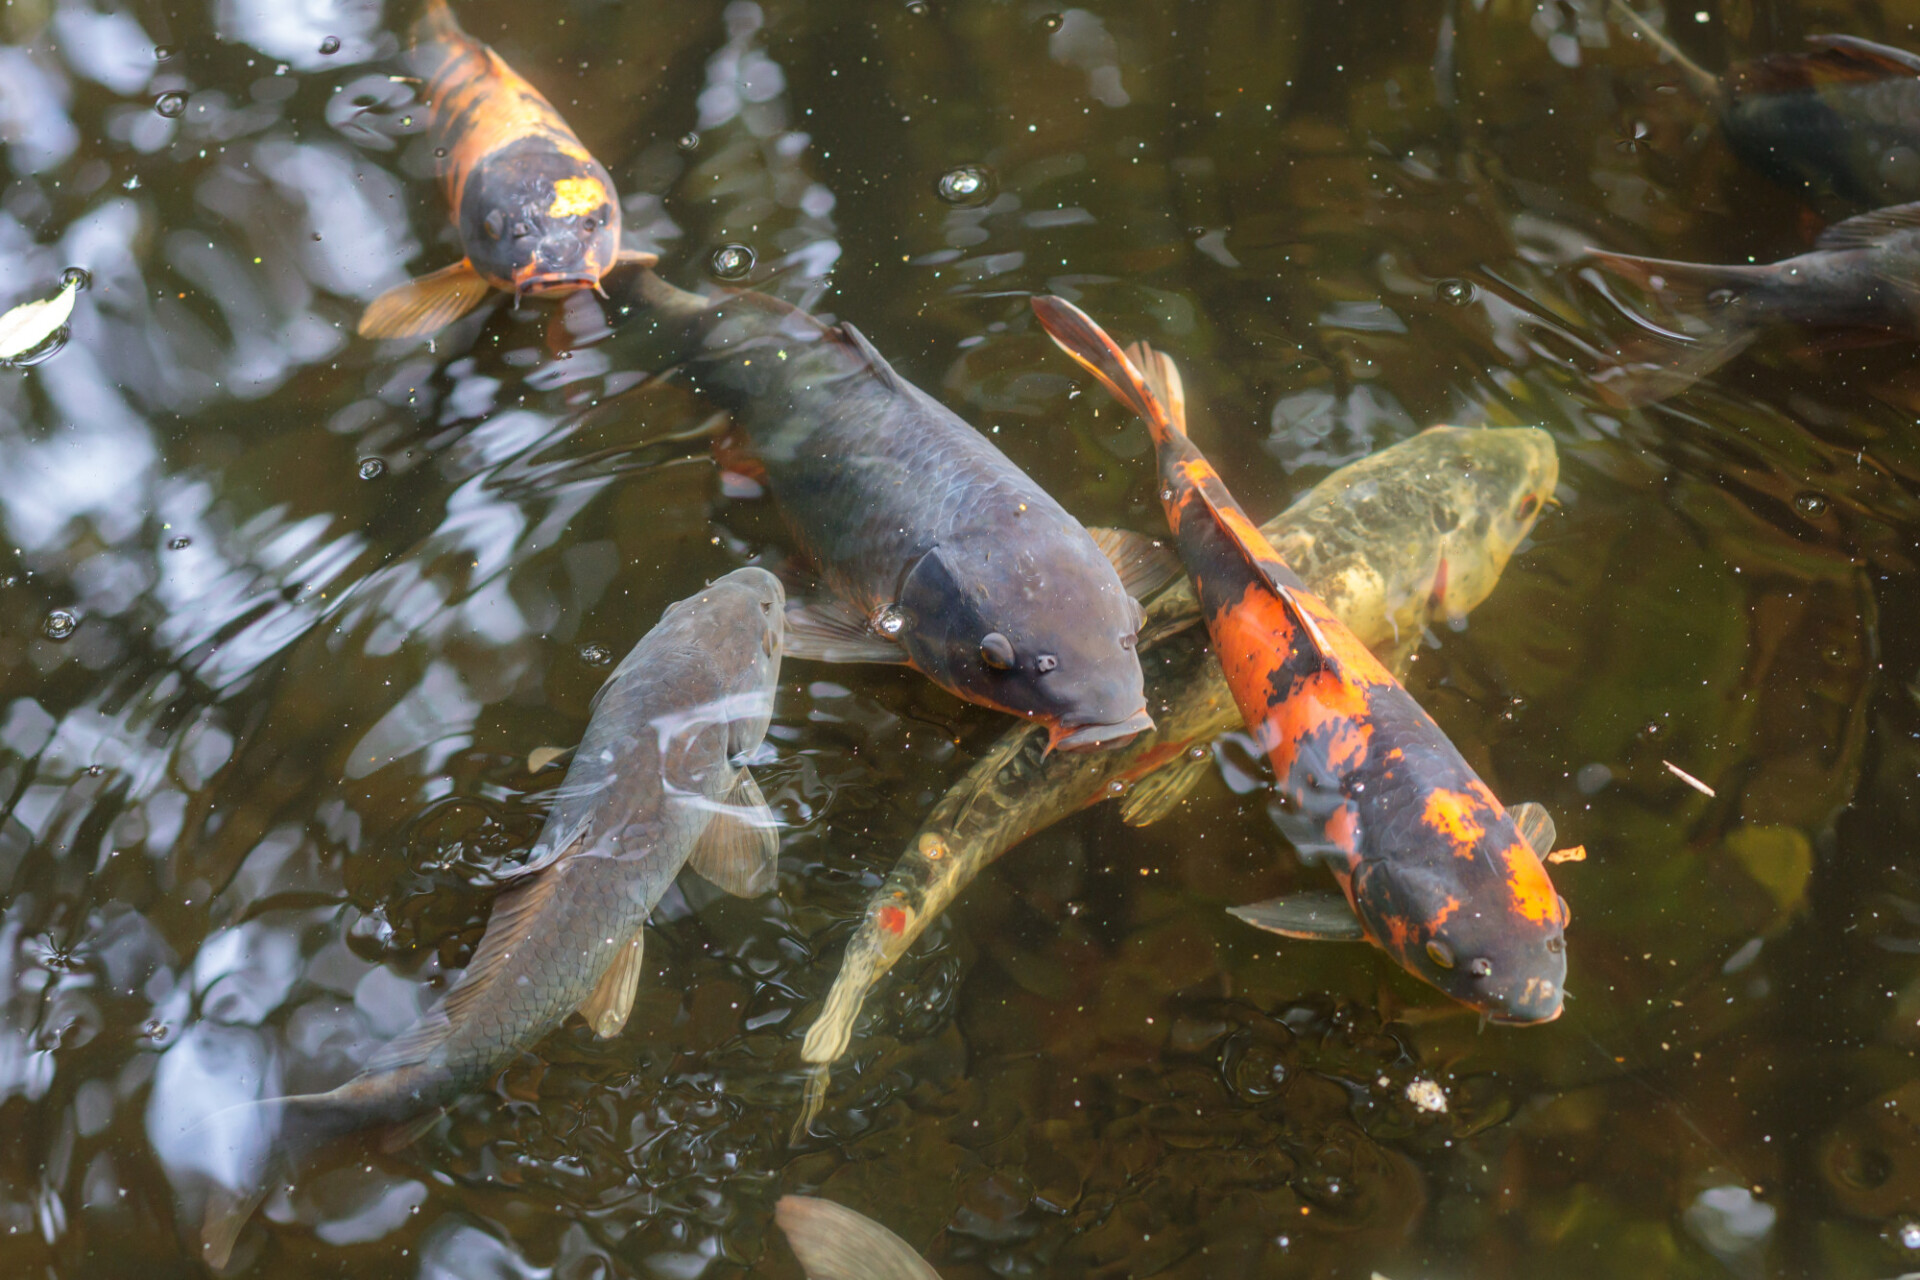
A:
[834,1242]
[1420,531]
[1842,118]
[653,787]
[935,550]
[1859,279]
[1432,869]
[536,213]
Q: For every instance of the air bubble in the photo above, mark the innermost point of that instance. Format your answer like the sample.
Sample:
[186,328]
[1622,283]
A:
[59,624]
[1810,504]
[439,153]
[1455,293]
[95,770]
[1050,21]
[170,105]
[890,621]
[154,1029]
[689,142]
[594,655]
[162,52]
[732,261]
[372,468]
[968,184]
[919,8]
[76,278]
[330,46]
[180,543]
[1905,1232]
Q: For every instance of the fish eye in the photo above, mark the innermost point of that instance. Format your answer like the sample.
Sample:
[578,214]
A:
[1556,944]
[996,651]
[1480,968]
[1529,505]
[1128,641]
[766,608]
[588,224]
[521,231]
[1440,953]
[1045,663]
[496,224]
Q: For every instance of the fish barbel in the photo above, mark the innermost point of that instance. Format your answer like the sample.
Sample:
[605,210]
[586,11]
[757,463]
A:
[653,786]
[1417,532]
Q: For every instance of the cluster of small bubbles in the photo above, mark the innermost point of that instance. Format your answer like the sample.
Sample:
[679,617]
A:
[689,142]
[967,184]
[1050,21]
[1810,504]
[76,278]
[595,655]
[180,543]
[59,624]
[1455,293]
[372,468]
[732,261]
[330,46]
[171,104]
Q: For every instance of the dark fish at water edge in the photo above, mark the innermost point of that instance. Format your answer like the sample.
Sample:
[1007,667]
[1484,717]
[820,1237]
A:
[1433,869]
[1862,278]
[653,787]
[933,548]
[537,214]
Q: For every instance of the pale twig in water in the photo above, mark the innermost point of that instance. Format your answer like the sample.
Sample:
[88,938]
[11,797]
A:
[1687,778]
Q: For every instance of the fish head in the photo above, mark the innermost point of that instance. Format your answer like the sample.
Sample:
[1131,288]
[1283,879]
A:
[1035,636]
[1470,938]
[739,621]
[1488,487]
[538,222]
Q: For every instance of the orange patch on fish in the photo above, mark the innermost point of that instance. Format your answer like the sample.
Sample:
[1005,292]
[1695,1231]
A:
[1343,829]
[1533,895]
[891,919]
[574,197]
[1456,815]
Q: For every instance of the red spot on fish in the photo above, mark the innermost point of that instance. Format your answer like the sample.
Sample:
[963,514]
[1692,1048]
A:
[1438,596]
[892,919]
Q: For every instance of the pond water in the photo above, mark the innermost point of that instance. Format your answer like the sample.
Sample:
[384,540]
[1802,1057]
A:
[285,612]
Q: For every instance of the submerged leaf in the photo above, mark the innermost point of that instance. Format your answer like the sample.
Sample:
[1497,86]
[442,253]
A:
[29,325]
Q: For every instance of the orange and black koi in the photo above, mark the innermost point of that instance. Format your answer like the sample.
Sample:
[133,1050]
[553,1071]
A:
[1434,870]
[537,214]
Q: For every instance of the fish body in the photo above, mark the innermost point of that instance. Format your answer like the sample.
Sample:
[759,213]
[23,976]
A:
[653,785]
[1862,278]
[934,548]
[537,214]
[1433,868]
[1839,119]
[1419,531]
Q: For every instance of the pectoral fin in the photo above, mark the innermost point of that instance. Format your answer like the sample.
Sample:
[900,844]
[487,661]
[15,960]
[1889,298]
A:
[1536,826]
[740,849]
[1160,792]
[401,1136]
[830,631]
[835,1243]
[1144,564]
[607,1008]
[1318,917]
[426,305]
[635,258]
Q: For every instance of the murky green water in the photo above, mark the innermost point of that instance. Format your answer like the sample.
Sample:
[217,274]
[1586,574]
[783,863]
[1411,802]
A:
[329,594]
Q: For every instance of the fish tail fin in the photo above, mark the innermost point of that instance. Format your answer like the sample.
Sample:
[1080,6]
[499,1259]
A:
[1076,333]
[835,1243]
[812,1100]
[226,1212]
[1703,82]
[1661,364]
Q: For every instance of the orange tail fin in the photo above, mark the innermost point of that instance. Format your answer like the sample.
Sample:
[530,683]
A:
[1076,333]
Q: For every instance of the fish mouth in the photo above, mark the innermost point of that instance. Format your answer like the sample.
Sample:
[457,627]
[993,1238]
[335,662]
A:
[542,286]
[1525,1018]
[1086,737]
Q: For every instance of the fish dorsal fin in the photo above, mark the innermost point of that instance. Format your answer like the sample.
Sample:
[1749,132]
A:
[607,1009]
[1160,792]
[1144,564]
[740,849]
[835,1243]
[875,361]
[829,630]
[517,915]
[1882,57]
[1319,917]
[1163,379]
[424,306]
[1867,230]
[1535,825]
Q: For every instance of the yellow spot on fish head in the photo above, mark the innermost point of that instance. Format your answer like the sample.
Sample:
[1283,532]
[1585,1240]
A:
[573,197]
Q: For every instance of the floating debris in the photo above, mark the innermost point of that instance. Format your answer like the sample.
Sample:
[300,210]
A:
[31,328]
[1687,778]
[1573,853]
[968,184]
[540,757]
[59,624]
[732,261]
[1427,1096]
